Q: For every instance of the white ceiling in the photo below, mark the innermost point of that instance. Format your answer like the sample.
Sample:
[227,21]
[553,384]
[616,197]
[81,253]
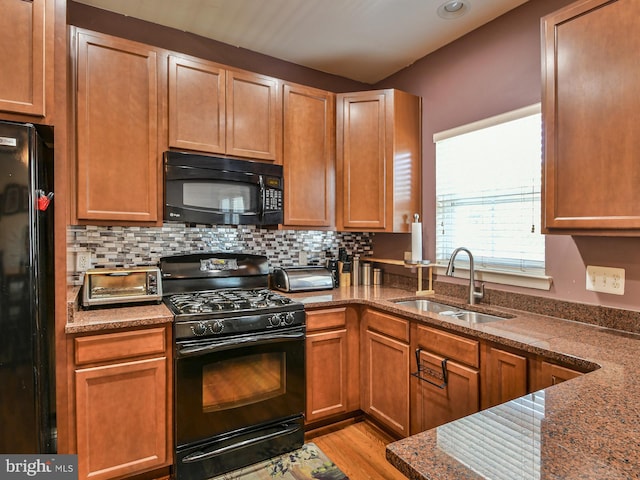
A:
[364,40]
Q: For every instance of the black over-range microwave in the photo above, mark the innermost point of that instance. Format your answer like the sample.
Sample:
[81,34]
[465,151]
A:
[221,191]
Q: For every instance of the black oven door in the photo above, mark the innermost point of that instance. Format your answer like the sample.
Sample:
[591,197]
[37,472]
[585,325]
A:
[226,385]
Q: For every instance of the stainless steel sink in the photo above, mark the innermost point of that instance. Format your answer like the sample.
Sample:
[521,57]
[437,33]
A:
[449,311]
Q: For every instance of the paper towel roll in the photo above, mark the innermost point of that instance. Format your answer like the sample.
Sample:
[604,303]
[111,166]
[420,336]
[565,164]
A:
[416,240]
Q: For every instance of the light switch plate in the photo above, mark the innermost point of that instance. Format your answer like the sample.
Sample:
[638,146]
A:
[605,279]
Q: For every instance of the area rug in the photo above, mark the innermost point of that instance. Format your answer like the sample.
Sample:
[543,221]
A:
[306,463]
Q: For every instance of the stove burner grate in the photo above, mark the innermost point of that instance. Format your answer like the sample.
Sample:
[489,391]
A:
[226,300]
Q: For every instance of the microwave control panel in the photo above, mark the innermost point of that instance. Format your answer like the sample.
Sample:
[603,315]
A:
[273,199]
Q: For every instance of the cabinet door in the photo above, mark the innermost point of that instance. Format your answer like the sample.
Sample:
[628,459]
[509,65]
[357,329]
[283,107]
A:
[436,406]
[361,160]
[326,374]
[591,99]
[308,156]
[22,49]
[386,381]
[551,374]
[196,105]
[504,376]
[121,418]
[254,116]
[378,160]
[117,124]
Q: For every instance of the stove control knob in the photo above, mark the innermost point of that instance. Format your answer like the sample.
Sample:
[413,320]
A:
[289,318]
[199,329]
[216,326]
[275,320]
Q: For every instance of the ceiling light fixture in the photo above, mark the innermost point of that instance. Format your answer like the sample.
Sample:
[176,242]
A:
[453,9]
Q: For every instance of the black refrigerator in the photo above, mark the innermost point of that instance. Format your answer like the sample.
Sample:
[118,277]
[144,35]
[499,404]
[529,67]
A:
[27,379]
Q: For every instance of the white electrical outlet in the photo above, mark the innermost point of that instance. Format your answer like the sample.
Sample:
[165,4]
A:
[605,279]
[83,261]
[302,258]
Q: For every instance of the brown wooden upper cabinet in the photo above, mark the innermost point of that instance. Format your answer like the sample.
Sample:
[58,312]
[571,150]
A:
[218,110]
[308,156]
[378,160]
[26,49]
[118,164]
[254,116]
[197,112]
[591,99]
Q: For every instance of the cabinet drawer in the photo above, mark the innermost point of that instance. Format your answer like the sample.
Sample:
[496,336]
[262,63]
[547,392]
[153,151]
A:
[324,319]
[392,326]
[449,345]
[120,345]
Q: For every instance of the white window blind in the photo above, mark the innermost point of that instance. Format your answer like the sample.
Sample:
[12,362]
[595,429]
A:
[488,177]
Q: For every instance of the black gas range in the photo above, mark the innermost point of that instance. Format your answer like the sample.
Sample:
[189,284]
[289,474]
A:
[232,311]
[239,363]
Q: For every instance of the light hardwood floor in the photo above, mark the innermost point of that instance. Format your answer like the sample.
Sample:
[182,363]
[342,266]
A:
[358,449]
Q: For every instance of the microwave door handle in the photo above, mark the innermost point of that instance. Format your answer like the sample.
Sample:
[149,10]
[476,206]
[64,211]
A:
[262,198]
[175,172]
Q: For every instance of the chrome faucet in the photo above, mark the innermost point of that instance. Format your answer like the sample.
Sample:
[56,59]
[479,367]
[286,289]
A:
[473,293]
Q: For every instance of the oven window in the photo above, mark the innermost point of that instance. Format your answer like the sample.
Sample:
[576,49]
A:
[243,381]
[220,196]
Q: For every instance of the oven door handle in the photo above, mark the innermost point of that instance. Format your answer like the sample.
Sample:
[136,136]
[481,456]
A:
[200,455]
[255,340]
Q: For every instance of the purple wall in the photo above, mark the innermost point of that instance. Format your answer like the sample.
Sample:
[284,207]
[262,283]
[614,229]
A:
[494,69]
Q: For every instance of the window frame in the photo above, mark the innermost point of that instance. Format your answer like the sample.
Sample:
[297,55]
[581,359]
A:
[529,279]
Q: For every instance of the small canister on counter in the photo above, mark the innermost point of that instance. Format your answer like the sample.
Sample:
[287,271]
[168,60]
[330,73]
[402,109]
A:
[366,274]
[377,276]
[355,271]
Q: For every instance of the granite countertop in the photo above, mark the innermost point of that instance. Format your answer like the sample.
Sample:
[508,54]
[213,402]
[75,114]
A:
[585,428]
[109,318]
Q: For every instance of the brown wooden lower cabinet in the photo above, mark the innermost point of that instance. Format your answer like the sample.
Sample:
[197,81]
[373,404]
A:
[332,363]
[436,401]
[122,387]
[435,405]
[504,376]
[479,374]
[544,374]
[385,370]
[326,374]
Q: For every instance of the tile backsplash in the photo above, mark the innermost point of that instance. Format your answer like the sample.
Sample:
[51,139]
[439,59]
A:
[135,246]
